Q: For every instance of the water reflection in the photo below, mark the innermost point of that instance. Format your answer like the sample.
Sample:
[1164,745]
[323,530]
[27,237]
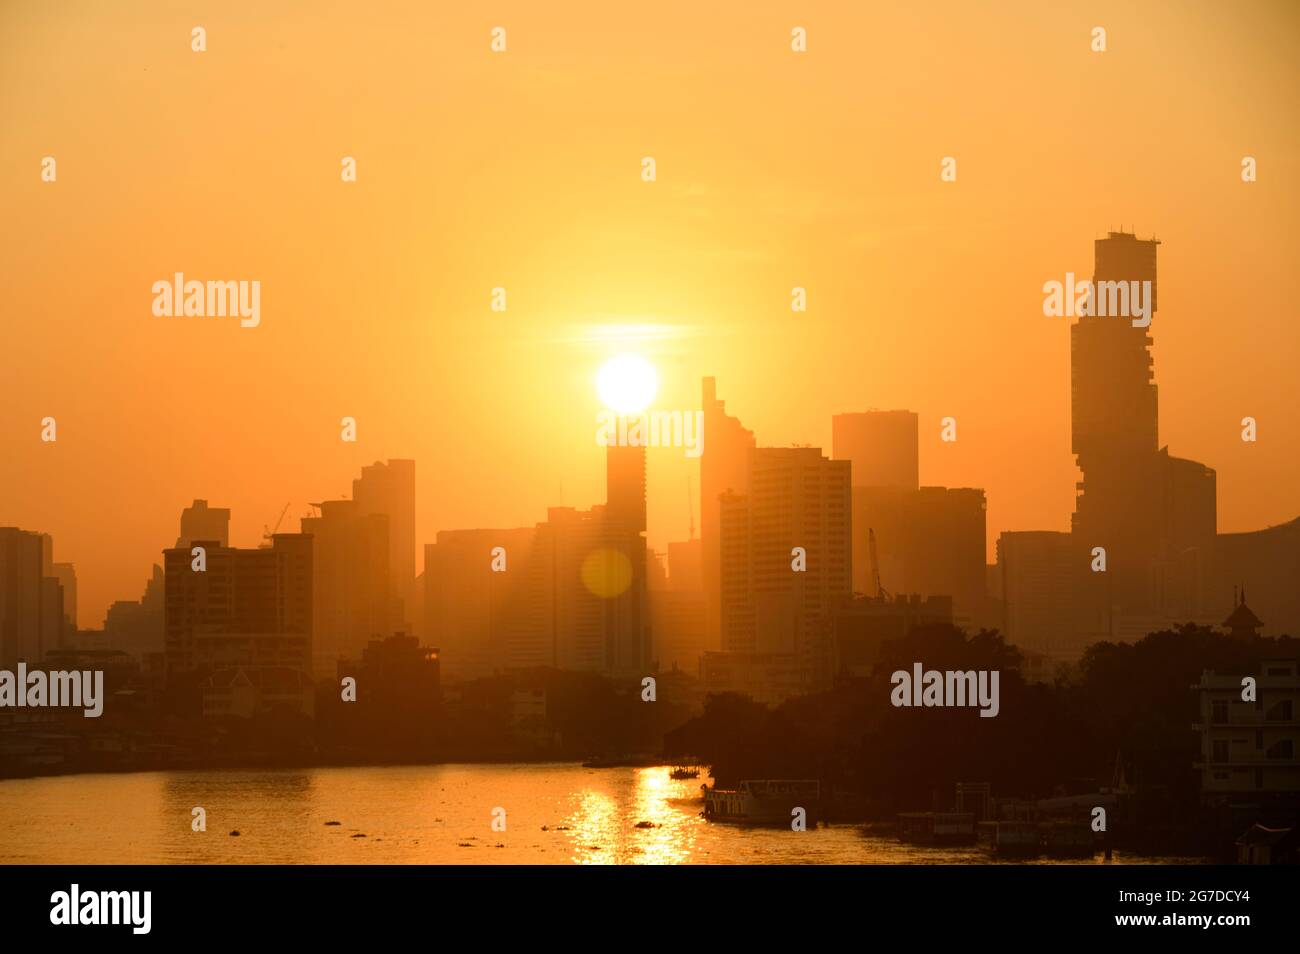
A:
[556,814]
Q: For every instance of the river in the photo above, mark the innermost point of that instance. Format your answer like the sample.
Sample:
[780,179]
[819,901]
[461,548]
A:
[556,813]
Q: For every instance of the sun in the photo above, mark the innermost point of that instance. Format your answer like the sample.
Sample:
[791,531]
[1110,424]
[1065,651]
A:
[627,383]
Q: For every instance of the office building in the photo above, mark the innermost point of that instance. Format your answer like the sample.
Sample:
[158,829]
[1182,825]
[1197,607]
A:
[881,446]
[247,609]
[388,488]
[774,600]
[724,469]
[351,587]
[201,522]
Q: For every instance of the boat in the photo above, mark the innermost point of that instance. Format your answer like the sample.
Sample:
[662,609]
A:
[684,771]
[937,828]
[763,801]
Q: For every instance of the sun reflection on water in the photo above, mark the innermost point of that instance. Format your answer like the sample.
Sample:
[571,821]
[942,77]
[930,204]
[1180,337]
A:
[650,819]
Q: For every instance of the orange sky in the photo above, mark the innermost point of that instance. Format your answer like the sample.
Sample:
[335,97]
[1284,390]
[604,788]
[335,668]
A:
[522,170]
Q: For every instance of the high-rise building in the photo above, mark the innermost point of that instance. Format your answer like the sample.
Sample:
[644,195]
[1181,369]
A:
[1113,390]
[1153,514]
[351,590]
[882,513]
[1184,564]
[21,594]
[929,541]
[1037,592]
[736,574]
[55,633]
[881,445]
[724,468]
[483,605]
[578,576]
[388,488]
[677,609]
[201,522]
[786,557]
[572,595]
[33,617]
[625,505]
[248,609]
[945,549]
[623,551]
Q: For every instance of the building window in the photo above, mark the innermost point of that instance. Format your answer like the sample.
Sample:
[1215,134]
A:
[1282,749]
[1282,712]
[1219,712]
[1219,751]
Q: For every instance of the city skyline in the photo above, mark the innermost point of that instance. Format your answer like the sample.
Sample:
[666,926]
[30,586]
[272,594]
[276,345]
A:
[312,515]
[855,435]
[583,590]
[381,316]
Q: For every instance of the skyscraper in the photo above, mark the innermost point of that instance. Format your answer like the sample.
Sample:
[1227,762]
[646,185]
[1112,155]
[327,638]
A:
[572,593]
[724,468]
[54,618]
[388,488]
[774,599]
[21,593]
[677,610]
[929,541]
[881,445]
[625,487]
[623,523]
[1153,514]
[483,606]
[1037,593]
[1113,390]
[352,589]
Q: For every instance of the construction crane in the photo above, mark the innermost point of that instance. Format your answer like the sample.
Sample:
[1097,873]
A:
[269,532]
[881,592]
